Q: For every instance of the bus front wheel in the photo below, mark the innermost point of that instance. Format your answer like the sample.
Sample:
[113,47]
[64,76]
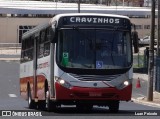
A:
[50,105]
[31,103]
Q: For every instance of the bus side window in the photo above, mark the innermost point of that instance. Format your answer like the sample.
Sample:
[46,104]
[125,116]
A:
[46,48]
[22,51]
[41,47]
[47,42]
[25,54]
[22,57]
[27,50]
[44,43]
[30,49]
[41,43]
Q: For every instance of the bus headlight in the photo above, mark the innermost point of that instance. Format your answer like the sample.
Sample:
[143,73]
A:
[126,83]
[123,84]
[63,83]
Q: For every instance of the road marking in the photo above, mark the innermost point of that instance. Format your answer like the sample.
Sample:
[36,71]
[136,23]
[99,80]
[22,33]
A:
[12,95]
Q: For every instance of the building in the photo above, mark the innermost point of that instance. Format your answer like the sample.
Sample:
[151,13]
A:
[17,17]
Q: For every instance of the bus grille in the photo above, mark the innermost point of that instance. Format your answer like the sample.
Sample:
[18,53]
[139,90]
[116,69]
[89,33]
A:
[94,77]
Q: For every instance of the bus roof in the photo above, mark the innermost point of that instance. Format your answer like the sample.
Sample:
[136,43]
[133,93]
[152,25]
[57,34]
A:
[35,30]
[87,14]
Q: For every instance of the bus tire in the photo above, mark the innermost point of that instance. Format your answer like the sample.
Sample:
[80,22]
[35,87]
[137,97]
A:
[42,105]
[114,107]
[31,103]
[84,107]
[50,105]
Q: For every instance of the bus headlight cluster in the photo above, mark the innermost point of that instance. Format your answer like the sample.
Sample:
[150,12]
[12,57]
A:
[63,83]
[123,84]
[126,83]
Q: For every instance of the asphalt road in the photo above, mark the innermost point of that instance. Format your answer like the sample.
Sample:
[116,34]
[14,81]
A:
[10,100]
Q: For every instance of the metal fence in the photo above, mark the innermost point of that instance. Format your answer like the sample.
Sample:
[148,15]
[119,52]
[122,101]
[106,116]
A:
[10,49]
[140,62]
[10,45]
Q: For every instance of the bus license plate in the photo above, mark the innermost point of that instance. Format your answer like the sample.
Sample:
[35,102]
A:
[95,94]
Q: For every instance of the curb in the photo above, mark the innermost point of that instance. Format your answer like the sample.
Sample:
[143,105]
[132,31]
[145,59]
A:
[140,101]
[156,95]
[9,59]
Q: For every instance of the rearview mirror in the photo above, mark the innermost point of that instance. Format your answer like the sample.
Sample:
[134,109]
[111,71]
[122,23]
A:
[135,41]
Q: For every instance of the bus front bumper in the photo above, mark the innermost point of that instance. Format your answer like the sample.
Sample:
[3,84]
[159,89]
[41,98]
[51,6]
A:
[83,93]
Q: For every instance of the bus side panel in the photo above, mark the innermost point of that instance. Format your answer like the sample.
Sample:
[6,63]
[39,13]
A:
[41,87]
[26,76]
[23,86]
[43,74]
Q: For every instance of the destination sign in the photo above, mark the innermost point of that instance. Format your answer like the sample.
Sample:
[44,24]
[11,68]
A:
[94,20]
[97,20]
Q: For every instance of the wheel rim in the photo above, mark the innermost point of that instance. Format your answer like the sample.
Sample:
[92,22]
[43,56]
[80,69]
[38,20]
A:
[29,99]
[47,96]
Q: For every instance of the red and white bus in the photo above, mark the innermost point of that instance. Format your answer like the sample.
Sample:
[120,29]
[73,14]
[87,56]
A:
[77,59]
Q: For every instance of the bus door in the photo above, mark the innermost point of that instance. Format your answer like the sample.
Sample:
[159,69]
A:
[36,38]
[51,34]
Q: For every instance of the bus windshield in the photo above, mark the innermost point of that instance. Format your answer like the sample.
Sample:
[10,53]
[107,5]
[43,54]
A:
[94,49]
